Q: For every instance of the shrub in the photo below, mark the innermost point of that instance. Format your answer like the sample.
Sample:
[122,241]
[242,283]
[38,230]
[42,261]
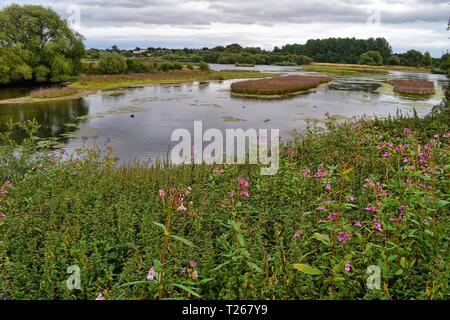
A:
[204,67]
[394,60]
[373,58]
[113,63]
[41,73]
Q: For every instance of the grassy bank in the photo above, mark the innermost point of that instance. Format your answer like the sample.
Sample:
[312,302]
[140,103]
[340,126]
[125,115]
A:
[365,193]
[85,85]
[414,87]
[357,70]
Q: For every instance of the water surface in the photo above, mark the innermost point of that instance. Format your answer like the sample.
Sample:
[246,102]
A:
[138,122]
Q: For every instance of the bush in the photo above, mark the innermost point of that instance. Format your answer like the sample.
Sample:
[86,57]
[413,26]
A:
[394,60]
[190,66]
[41,73]
[303,60]
[113,63]
[372,58]
[204,67]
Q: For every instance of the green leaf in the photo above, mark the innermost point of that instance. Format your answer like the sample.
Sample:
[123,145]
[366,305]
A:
[403,263]
[185,241]
[187,289]
[160,225]
[442,204]
[322,237]
[254,266]
[346,172]
[306,269]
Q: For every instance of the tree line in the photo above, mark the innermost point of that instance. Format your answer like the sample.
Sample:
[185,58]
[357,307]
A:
[36,45]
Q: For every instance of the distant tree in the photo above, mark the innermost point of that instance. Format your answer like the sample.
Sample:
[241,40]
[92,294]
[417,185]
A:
[394,60]
[115,48]
[36,44]
[412,58]
[234,48]
[113,63]
[204,66]
[427,59]
[445,62]
[373,58]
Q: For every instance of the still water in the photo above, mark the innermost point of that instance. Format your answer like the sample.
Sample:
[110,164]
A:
[138,122]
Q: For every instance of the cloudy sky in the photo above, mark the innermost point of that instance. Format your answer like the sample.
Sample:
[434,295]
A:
[406,24]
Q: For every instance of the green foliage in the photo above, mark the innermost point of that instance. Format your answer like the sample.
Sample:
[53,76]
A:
[284,241]
[372,58]
[35,43]
[394,60]
[113,63]
[412,58]
[204,67]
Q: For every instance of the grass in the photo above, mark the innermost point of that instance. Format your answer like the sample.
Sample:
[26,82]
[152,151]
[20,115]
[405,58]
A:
[118,81]
[357,70]
[363,193]
[50,93]
[414,87]
[278,85]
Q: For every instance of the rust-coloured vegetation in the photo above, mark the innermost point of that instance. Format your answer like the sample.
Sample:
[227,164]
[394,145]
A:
[418,87]
[278,85]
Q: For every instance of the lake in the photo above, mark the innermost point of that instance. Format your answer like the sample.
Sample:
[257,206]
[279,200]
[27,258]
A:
[138,122]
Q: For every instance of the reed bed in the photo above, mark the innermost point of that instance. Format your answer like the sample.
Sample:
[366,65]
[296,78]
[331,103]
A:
[45,93]
[278,85]
[414,86]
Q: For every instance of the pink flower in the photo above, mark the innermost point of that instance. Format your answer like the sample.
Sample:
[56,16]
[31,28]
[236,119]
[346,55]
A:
[298,234]
[322,208]
[100,297]
[184,270]
[8,184]
[332,216]
[231,194]
[162,194]
[245,194]
[306,173]
[377,226]
[193,264]
[2,191]
[426,221]
[407,131]
[405,160]
[351,198]
[2,215]
[182,208]
[358,224]
[328,187]
[243,183]
[343,237]
[436,136]
[371,208]
[151,274]
[347,266]
[386,155]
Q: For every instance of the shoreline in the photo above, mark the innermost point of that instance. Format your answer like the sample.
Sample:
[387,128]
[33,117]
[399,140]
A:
[114,82]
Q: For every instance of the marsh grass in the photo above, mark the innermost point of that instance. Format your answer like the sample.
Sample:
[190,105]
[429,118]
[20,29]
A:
[414,87]
[48,93]
[278,85]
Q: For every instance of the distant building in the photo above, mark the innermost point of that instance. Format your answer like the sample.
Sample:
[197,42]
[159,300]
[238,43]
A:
[139,52]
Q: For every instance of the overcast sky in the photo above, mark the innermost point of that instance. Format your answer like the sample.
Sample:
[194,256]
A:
[406,24]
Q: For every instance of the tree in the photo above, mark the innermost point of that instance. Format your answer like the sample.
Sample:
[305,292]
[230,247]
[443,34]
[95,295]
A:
[427,59]
[113,63]
[33,41]
[394,60]
[373,58]
[412,58]
[204,67]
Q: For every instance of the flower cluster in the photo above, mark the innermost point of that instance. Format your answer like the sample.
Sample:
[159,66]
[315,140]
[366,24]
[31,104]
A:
[191,270]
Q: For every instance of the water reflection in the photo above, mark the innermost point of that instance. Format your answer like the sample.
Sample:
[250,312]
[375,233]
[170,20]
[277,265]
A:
[55,118]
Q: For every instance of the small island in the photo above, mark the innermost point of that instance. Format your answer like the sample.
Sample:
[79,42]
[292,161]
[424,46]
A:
[277,87]
[414,87]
